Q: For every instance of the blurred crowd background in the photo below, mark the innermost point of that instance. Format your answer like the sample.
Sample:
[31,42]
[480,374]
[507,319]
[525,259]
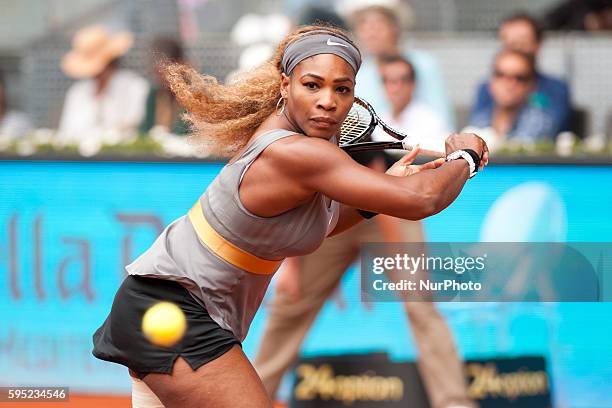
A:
[80,79]
[529,76]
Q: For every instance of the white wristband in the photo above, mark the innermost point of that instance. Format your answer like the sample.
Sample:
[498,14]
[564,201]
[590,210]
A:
[462,154]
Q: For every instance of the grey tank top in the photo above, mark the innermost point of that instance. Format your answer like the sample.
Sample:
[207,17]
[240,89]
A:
[230,294]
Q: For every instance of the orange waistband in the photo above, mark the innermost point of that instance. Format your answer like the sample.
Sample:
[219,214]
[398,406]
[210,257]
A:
[225,249]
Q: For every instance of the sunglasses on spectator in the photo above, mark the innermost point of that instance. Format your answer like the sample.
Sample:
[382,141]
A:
[523,78]
[403,78]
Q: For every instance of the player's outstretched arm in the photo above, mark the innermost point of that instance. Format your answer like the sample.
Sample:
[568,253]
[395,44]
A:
[317,166]
[350,216]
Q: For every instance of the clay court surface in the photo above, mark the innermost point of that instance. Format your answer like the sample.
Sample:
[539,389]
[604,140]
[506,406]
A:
[79,401]
[88,401]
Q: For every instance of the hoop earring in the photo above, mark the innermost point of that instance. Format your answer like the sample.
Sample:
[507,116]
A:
[278,113]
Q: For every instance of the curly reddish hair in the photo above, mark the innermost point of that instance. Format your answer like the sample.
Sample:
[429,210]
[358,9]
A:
[223,117]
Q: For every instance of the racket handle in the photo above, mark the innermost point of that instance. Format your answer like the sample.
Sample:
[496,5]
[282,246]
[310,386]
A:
[431,153]
[424,152]
[373,146]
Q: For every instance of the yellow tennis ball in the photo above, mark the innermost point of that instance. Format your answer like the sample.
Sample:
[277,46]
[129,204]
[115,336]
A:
[164,324]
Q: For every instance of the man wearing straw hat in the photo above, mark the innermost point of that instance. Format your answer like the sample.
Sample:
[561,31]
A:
[106,99]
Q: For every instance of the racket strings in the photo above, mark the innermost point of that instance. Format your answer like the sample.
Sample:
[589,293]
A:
[355,125]
[376,119]
[361,121]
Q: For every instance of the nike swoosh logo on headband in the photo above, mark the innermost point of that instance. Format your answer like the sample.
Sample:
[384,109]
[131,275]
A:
[330,42]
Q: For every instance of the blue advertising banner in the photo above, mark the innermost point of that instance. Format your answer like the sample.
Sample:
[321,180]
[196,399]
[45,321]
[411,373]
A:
[67,229]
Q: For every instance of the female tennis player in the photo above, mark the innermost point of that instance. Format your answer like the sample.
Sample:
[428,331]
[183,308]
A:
[286,188]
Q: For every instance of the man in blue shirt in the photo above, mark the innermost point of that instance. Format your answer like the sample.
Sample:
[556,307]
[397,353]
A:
[522,33]
[512,116]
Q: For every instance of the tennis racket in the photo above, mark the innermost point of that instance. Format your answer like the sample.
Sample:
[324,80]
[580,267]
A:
[361,122]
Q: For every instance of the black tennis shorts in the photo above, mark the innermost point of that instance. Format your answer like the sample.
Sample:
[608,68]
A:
[120,338]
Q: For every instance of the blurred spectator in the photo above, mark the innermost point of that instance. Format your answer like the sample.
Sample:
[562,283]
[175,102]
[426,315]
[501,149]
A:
[574,15]
[411,117]
[258,35]
[295,8]
[522,32]
[312,15]
[162,109]
[12,123]
[378,26]
[512,115]
[253,29]
[107,99]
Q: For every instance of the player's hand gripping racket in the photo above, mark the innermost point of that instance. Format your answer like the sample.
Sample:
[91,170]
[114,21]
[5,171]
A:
[361,122]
